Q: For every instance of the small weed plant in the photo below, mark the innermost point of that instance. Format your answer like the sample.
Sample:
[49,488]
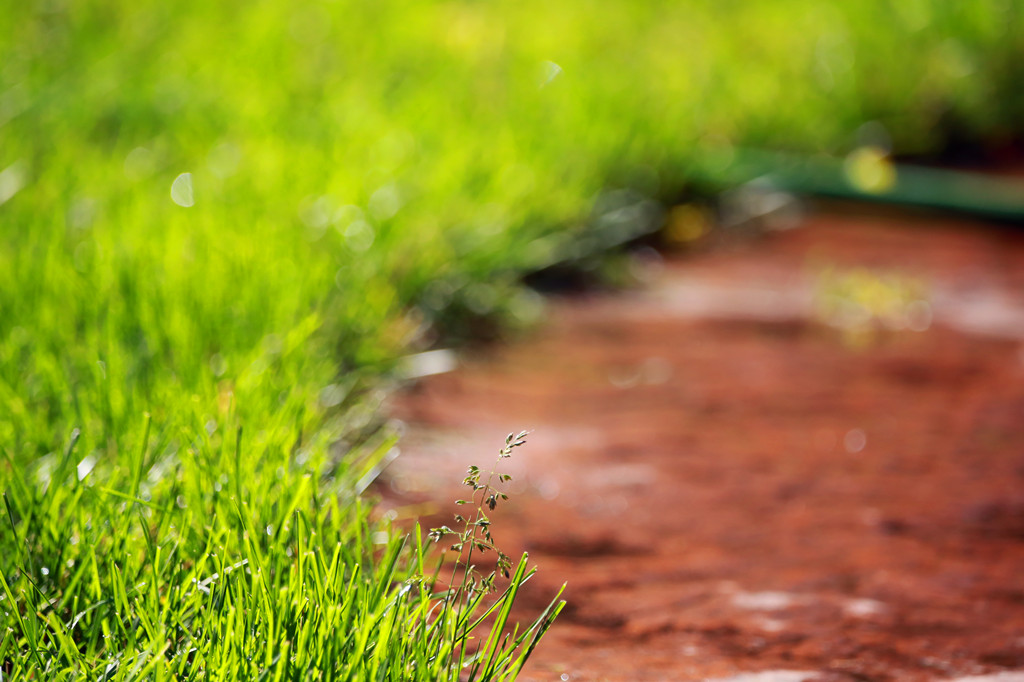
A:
[475,598]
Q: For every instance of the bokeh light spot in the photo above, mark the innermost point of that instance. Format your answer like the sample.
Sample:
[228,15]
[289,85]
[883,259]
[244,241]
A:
[181,191]
[870,170]
[855,440]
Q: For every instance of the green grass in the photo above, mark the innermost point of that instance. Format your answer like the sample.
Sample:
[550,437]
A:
[272,574]
[187,389]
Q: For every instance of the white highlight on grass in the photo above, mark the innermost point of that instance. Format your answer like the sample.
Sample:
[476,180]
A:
[428,363]
[332,395]
[385,202]
[359,236]
[12,180]
[218,365]
[85,466]
[549,72]
[181,191]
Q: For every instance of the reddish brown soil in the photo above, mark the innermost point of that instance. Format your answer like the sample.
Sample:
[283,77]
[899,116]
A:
[728,484]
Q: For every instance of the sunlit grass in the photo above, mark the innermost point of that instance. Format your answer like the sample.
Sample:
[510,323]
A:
[222,223]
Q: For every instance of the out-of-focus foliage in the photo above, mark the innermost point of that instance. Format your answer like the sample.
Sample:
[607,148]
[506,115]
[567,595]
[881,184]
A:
[358,173]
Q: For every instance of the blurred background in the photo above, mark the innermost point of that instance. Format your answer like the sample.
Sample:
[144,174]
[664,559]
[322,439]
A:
[257,200]
[197,179]
[256,204]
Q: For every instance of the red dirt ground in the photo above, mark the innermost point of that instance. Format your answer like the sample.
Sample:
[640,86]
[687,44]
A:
[728,484]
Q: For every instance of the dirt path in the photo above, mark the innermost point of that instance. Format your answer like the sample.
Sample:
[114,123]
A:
[729,484]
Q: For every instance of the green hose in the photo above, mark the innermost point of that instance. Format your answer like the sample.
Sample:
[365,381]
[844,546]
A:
[869,174]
